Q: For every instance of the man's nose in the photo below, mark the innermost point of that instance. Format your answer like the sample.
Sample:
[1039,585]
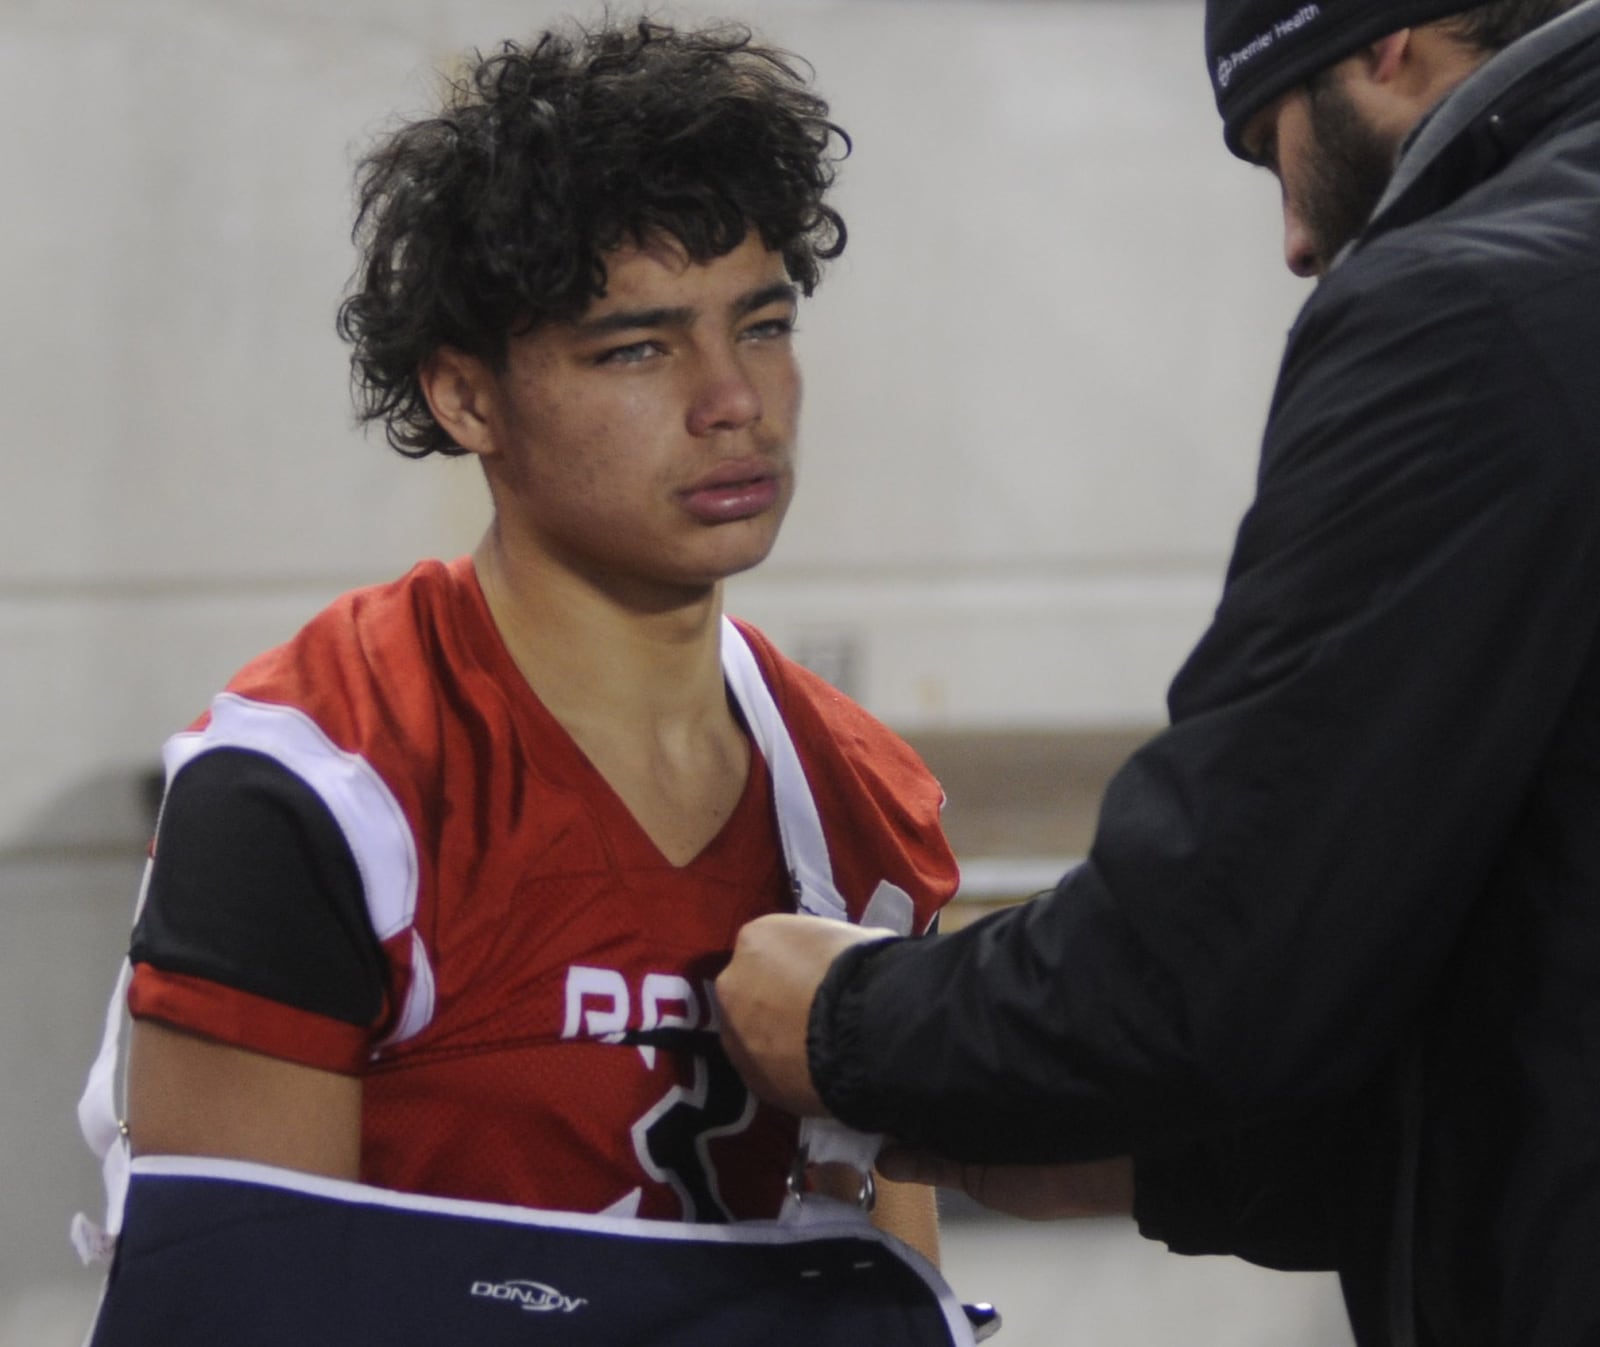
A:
[1299,245]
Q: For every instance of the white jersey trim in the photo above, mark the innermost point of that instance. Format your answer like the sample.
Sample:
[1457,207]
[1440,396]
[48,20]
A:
[374,826]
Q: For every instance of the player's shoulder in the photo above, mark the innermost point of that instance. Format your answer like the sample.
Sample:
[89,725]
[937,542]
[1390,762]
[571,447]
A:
[360,633]
[374,656]
[810,704]
[845,748]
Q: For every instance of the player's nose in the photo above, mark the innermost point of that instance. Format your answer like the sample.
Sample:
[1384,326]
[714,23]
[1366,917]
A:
[726,396]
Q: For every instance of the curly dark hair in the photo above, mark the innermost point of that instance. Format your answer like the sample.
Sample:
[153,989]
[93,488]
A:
[496,215]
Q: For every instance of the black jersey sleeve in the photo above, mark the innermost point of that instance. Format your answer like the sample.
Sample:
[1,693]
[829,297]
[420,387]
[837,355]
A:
[253,886]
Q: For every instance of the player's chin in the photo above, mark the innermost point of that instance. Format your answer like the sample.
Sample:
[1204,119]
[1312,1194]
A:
[738,546]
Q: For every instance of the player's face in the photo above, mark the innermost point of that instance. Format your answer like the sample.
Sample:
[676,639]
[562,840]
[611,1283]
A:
[651,441]
[1331,163]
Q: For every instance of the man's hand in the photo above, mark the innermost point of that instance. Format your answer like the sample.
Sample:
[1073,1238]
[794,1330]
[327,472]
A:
[1033,1192]
[764,1002]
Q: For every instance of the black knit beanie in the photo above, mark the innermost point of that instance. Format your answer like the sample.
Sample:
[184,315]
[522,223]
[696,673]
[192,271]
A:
[1258,49]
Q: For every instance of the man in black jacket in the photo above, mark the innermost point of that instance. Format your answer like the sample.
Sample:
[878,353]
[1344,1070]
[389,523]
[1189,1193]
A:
[1329,981]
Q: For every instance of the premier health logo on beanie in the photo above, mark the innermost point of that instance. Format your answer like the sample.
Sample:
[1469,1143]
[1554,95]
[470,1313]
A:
[1306,14]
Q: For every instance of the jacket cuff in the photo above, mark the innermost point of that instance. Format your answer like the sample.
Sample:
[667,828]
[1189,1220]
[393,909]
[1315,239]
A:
[1176,1202]
[836,1046]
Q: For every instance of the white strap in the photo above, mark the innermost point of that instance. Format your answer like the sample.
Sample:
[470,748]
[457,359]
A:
[799,824]
[100,1119]
[822,1140]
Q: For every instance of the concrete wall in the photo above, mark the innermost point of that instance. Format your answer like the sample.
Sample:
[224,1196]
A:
[1035,385]
[1036,379]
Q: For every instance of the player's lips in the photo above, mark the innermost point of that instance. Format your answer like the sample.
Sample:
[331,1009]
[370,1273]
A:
[733,491]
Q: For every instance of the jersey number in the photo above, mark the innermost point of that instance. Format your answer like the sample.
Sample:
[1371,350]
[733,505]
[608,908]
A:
[673,1139]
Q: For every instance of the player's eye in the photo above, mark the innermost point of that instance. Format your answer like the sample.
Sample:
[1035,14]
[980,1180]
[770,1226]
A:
[768,329]
[633,353]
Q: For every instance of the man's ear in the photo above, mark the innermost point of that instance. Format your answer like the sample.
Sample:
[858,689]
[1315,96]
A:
[460,390]
[1386,58]
[1409,71]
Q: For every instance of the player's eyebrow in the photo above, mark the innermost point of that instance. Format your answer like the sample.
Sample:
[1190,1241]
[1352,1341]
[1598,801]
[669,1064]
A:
[629,320]
[624,320]
[779,292]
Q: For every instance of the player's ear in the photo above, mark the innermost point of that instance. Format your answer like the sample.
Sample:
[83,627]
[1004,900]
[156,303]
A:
[460,390]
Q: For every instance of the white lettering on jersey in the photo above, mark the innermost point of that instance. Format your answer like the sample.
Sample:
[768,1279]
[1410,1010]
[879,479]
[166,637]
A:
[606,1022]
[599,1005]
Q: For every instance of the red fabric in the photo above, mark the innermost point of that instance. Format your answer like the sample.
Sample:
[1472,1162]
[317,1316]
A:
[247,1021]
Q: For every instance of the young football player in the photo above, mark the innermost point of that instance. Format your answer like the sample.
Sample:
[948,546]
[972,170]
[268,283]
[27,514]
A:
[440,886]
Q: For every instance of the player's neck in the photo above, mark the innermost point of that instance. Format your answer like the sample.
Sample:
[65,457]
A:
[640,692]
[592,654]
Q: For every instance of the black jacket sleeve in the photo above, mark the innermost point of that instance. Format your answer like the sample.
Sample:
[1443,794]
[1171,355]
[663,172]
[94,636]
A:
[1277,880]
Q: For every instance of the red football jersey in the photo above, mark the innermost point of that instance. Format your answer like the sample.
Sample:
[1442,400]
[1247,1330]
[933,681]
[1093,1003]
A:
[545,1036]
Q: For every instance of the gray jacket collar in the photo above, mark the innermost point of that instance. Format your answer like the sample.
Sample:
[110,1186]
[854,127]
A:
[1475,95]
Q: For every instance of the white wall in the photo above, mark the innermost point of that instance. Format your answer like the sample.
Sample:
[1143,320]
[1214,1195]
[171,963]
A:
[1035,386]
[1036,378]
[1040,371]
